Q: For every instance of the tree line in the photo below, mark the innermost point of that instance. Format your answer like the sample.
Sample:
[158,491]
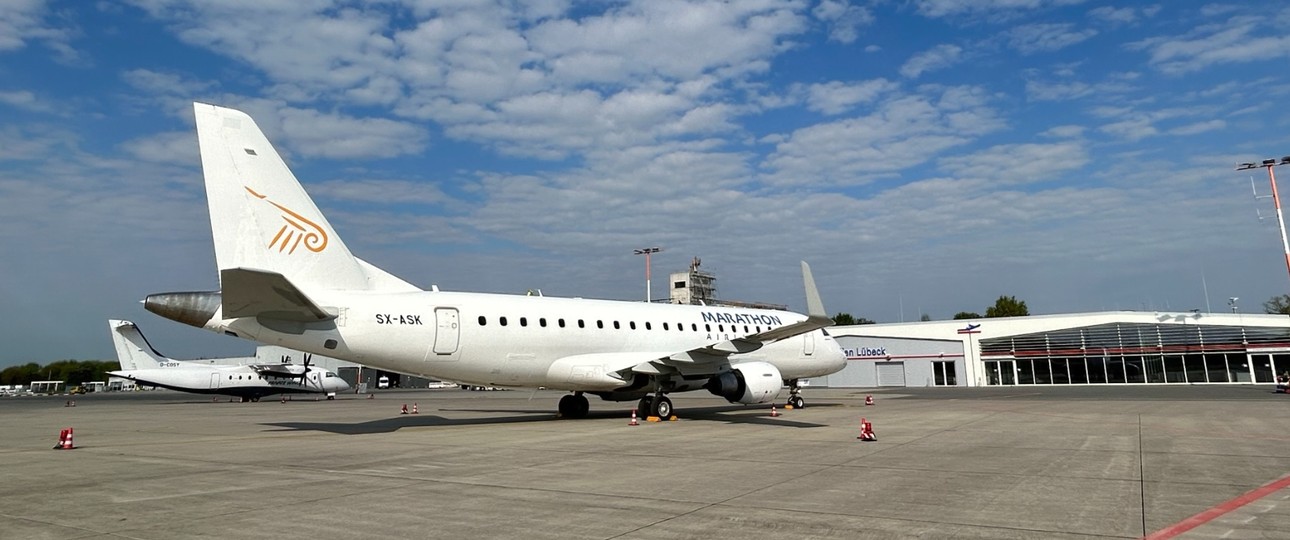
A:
[1005,306]
[73,372]
[1009,306]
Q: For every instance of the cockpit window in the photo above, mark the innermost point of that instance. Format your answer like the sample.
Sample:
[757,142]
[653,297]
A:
[826,332]
[329,375]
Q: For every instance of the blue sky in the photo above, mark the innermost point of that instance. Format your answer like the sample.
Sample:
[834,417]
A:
[926,156]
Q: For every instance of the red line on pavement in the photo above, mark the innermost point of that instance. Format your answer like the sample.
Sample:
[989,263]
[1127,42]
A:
[1223,508]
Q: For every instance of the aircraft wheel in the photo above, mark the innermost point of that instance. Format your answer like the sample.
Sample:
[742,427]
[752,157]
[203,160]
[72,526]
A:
[255,400]
[645,406]
[797,402]
[663,407]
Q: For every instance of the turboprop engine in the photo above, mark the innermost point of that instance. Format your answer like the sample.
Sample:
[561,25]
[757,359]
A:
[749,382]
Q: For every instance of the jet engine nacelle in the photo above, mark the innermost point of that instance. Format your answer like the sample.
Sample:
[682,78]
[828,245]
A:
[749,382]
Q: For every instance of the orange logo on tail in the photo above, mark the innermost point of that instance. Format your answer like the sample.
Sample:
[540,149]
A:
[296,229]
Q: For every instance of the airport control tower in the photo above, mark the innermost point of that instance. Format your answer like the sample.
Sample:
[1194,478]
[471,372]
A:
[697,287]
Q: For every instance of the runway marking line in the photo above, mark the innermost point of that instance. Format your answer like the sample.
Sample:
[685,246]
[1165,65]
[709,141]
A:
[1222,508]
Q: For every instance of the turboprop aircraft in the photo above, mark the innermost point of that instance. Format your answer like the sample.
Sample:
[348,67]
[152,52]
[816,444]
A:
[287,279]
[143,364]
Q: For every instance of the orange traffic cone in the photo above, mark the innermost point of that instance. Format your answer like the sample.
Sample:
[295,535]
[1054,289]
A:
[414,409]
[65,440]
[773,412]
[634,422]
[866,431]
[868,400]
[405,409]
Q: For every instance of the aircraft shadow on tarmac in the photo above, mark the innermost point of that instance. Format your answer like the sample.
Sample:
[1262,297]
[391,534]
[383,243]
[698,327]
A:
[389,425]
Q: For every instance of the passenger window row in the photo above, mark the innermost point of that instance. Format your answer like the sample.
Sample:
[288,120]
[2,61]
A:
[631,325]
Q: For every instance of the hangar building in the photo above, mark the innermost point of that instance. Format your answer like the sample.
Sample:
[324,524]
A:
[1113,347]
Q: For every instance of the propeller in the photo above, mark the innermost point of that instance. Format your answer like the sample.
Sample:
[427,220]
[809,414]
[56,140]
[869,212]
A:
[305,373]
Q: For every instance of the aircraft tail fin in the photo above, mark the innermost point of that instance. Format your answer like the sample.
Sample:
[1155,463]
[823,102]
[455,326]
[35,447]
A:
[132,349]
[261,217]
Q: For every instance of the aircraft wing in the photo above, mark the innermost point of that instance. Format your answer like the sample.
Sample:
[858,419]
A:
[279,370]
[708,358]
[816,319]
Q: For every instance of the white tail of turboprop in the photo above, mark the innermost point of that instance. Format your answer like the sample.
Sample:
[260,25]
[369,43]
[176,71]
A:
[132,350]
[263,221]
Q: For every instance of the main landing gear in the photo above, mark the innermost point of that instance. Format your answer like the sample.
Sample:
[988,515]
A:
[574,405]
[657,405]
[795,395]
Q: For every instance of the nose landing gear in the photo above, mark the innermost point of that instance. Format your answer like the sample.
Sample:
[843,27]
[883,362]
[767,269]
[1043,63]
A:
[795,395]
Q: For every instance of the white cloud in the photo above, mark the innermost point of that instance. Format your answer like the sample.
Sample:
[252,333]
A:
[1134,125]
[160,83]
[26,100]
[1012,164]
[313,133]
[1068,89]
[1115,16]
[938,57]
[175,148]
[1240,39]
[837,97]
[997,9]
[534,81]
[24,20]
[1199,127]
[1037,38]
[370,190]
[844,19]
[1133,129]
[1064,132]
[903,132]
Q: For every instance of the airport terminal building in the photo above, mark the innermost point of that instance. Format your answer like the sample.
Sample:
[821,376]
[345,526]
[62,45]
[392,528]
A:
[1114,347]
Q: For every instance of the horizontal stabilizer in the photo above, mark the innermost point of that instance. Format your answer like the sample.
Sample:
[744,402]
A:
[247,292]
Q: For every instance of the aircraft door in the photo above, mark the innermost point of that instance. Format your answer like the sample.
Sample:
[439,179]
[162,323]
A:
[447,331]
[215,381]
[808,343]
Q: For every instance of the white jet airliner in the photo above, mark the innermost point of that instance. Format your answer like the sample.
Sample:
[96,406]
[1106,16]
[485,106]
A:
[287,279]
[143,364]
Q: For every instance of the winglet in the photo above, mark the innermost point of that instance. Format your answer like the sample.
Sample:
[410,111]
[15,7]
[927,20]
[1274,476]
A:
[814,306]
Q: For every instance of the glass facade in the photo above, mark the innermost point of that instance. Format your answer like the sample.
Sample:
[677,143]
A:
[1137,353]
